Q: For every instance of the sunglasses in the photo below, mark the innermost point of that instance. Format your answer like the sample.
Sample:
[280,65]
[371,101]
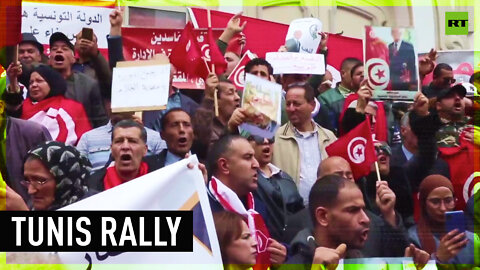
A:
[385,149]
[260,140]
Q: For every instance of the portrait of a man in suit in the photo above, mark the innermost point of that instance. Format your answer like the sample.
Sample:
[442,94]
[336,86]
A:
[293,44]
[402,62]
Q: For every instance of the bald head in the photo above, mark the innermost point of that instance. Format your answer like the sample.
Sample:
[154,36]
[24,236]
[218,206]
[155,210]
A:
[335,165]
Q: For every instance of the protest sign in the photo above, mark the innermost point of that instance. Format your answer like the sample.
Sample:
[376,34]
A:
[238,73]
[262,98]
[391,64]
[296,63]
[154,192]
[460,61]
[144,43]
[140,86]
[43,19]
[303,35]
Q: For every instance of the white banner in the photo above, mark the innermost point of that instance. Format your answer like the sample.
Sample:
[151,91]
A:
[174,187]
[296,63]
[42,20]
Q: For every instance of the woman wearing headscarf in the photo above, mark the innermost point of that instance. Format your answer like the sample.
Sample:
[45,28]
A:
[55,175]
[46,104]
[447,247]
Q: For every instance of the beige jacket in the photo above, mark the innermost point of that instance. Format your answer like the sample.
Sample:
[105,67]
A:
[286,154]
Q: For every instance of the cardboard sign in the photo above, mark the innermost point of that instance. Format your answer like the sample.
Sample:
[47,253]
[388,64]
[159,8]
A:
[140,86]
[303,35]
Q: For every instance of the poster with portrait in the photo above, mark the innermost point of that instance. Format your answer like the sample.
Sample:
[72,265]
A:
[303,35]
[391,62]
[262,100]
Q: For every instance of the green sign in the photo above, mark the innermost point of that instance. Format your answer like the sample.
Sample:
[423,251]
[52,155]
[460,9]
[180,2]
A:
[456,23]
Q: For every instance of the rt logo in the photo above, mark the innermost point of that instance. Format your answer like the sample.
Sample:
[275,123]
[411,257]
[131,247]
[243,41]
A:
[456,23]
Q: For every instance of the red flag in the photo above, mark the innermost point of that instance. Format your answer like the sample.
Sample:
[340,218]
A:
[342,47]
[357,148]
[187,55]
[10,22]
[464,166]
[215,56]
[238,73]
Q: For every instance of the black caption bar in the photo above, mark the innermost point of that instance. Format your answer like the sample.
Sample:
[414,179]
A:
[120,231]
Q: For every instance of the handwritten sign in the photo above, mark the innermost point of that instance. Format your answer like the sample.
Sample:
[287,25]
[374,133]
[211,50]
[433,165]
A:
[296,63]
[140,88]
[144,43]
[42,20]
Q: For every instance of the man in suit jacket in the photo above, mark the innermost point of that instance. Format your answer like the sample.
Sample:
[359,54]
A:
[402,62]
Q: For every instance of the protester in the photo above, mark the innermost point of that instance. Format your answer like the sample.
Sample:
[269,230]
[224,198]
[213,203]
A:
[279,193]
[442,78]
[64,118]
[95,144]
[128,148]
[233,168]
[55,175]
[300,144]
[177,131]
[237,244]
[341,227]
[447,247]
[80,87]
[30,54]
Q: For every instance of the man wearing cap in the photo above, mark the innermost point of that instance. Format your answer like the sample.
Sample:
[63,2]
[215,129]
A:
[79,86]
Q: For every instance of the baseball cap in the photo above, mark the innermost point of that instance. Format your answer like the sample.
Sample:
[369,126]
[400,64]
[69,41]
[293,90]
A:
[30,38]
[459,88]
[59,36]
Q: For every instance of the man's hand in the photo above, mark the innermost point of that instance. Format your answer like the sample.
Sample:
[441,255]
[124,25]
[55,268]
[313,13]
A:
[14,70]
[450,245]
[282,48]
[211,83]
[385,201]
[233,27]
[201,167]
[323,41]
[238,117]
[116,19]
[14,201]
[329,257]
[88,47]
[365,93]
[278,252]
[420,104]
[420,257]
[427,63]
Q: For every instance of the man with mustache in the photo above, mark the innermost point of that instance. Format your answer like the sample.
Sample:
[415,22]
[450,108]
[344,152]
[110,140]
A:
[80,87]
[128,149]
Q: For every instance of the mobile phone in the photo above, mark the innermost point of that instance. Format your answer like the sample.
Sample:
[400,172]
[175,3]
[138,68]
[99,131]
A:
[455,220]
[87,33]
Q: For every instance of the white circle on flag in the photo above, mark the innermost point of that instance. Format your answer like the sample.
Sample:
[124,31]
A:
[187,48]
[378,73]
[239,76]
[206,51]
[356,150]
[468,187]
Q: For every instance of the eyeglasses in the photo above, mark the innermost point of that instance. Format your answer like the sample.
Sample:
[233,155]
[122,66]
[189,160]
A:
[448,201]
[260,140]
[36,183]
[385,149]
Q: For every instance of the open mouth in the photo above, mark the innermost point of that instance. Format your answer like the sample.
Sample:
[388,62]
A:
[364,234]
[125,157]
[382,159]
[182,141]
[59,57]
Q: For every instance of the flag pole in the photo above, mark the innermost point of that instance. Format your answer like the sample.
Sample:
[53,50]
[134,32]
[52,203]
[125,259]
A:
[378,171]
[15,55]
[215,95]
[209,19]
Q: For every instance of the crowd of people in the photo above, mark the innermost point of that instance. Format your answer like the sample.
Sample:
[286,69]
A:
[279,202]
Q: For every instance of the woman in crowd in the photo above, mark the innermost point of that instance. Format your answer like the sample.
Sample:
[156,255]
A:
[237,245]
[55,175]
[453,247]
[64,118]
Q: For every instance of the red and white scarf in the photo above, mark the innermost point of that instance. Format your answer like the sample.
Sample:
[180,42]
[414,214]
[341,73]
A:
[230,202]
[112,179]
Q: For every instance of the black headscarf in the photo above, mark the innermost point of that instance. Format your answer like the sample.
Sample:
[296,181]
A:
[69,168]
[58,85]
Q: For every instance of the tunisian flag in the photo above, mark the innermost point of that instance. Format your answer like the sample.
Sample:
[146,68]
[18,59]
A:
[10,22]
[187,56]
[215,57]
[357,148]
[464,163]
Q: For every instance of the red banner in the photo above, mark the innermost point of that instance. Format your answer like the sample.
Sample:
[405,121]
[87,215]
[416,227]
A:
[144,43]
